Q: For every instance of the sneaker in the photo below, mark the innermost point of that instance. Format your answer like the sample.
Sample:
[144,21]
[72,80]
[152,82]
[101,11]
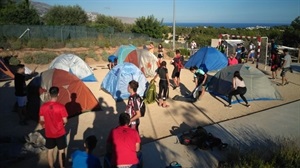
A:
[247,105]
[228,106]
[286,83]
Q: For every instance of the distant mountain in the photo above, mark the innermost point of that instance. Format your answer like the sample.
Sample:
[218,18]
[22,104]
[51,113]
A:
[43,8]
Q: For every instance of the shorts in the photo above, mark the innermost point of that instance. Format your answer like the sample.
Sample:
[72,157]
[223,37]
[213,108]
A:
[21,100]
[283,72]
[251,55]
[60,142]
[176,74]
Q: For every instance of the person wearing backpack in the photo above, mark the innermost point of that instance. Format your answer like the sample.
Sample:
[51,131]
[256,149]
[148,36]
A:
[133,105]
[164,84]
[177,62]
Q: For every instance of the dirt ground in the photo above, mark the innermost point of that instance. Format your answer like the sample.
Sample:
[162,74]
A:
[158,122]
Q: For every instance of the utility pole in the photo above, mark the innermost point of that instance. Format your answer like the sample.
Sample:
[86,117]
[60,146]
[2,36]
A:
[174,25]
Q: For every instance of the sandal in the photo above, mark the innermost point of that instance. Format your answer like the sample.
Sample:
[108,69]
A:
[165,106]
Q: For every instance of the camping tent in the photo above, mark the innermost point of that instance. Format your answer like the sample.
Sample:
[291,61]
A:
[5,73]
[74,65]
[259,87]
[144,60]
[73,93]
[117,79]
[208,59]
[123,51]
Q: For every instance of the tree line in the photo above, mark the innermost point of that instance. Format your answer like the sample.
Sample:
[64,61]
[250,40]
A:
[24,13]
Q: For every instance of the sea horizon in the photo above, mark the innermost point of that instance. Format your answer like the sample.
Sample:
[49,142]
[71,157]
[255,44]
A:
[226,25]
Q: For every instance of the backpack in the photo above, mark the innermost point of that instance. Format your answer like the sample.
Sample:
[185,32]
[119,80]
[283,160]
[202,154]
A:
[178,62]
[151,93]
[174,164]
[202,140]
[196,138]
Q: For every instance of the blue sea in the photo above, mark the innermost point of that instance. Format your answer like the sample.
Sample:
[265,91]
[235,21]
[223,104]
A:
[226,25]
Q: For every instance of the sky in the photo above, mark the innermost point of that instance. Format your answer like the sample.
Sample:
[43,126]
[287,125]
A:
[194,11]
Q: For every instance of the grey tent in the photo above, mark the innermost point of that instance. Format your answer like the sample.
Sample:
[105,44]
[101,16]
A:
[259,87]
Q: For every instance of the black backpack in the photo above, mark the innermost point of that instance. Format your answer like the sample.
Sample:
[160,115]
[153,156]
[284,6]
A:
[196,138]
[142,104]
[202,140]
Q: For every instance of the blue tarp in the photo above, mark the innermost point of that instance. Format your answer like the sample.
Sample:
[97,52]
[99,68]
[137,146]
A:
[117,79]
[208,59]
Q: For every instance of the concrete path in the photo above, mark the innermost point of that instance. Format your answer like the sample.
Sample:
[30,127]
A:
[254,129]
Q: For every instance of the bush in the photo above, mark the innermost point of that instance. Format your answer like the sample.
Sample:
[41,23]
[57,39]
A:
[15,45]
[14,61]
[51,43]
[39,58]
[92,54]
[105,55]
[36,43]
[284,153]
[170,54]
[185,52]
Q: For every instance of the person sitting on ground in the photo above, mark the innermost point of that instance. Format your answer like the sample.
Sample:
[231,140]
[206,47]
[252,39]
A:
[112,61]
[239,88]
[164,84]
[232,60]
[85,159]
[199,79]
[123,144]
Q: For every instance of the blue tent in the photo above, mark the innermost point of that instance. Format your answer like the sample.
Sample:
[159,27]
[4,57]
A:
[208,59]
[123,52]
[259,87]
[117,79]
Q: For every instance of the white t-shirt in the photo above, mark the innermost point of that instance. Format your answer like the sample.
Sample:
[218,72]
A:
[238,83]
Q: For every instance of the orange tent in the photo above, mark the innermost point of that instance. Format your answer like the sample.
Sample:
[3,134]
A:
[5,73]
[73,93]
[144,60]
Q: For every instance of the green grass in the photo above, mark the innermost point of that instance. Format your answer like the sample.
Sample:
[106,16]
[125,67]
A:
[279,153]
[39,58]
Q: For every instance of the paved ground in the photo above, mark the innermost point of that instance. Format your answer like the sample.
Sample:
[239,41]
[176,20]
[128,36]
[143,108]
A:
[158,122]
[254,129]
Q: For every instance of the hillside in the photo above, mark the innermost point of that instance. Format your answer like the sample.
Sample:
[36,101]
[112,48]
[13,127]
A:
[42,9]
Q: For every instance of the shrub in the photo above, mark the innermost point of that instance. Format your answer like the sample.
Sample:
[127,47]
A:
[184,52]
[51,43]
[283,153]
[92,54]
[36,43]
[170,54]
[105,55]
[39,58]
[14,61]
[15,45]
